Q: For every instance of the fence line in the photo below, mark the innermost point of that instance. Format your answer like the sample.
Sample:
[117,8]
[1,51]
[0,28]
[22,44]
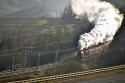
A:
[74,75]
[26,70]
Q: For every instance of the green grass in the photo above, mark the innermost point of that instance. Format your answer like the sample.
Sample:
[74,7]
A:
[41,22]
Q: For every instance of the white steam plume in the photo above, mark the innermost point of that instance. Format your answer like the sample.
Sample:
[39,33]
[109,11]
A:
[106,17]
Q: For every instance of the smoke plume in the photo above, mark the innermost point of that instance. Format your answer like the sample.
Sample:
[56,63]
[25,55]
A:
[106,17]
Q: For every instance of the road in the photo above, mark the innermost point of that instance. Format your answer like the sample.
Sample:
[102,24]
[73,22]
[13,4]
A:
[105,78]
